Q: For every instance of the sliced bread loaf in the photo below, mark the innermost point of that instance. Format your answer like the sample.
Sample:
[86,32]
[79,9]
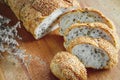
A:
[39,15]
[66,66]
[37,24]
[83,16]
[94,53]
[94,30]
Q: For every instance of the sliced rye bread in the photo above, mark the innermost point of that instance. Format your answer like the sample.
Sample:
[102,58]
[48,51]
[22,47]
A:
[66,66]
[94,53]
[94,30]
[85,15]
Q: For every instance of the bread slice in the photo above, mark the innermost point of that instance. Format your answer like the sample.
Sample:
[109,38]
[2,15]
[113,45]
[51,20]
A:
[94,53]
[39,15]
[94,30]
[85,15]
[66,66]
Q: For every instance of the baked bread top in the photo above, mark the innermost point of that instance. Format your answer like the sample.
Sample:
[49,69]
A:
[46,7]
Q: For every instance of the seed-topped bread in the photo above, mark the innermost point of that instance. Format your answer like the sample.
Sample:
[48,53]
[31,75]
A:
[46,7]
[94,30]
[66,66]
[39,15]
[85,15]
[94,53]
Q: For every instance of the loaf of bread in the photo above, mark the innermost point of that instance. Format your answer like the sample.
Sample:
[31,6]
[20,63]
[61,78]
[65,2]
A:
[85,15]
[94,53]
[94,30]
[39,15]
[66,66]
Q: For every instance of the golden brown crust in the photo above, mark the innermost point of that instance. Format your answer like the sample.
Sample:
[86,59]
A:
[16,5]
[67,66]
[107,21]
[100,43]
[101,26]
[112,52]
[29,13]
[46,7]
[80,40]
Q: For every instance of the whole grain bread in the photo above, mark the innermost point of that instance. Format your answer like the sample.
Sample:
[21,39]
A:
[85,15]
[94,30]
[94,53]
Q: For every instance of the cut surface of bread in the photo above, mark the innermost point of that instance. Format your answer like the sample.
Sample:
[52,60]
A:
[66,66]
[83,16]
[45,26]
[94,30]
[94,53]
[87,52]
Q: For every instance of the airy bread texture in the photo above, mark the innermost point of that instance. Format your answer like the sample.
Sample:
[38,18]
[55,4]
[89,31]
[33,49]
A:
[94,53]
[66,66]
[37,15]
[85,15]
[94,30]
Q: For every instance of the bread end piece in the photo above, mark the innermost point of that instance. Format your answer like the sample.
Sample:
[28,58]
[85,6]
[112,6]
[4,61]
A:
[66,66]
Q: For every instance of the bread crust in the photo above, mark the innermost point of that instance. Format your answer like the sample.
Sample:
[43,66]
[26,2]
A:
[16,5]
[110,50]
[99,25]
[43,8]
[67,66]
[46,7]
[99,43]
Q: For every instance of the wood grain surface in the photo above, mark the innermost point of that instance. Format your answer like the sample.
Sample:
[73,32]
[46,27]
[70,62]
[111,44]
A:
[49,45]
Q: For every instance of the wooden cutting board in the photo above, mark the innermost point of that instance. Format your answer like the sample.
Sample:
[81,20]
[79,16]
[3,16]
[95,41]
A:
[49,45]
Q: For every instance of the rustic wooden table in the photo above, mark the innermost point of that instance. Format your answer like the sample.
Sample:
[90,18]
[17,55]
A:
[47,47]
